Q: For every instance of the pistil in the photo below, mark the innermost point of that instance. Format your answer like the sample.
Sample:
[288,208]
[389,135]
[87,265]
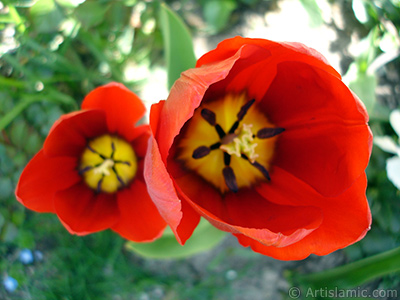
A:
[105,167]
[108,164]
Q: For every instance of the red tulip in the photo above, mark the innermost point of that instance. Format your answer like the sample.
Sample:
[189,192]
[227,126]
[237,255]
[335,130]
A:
[265,141]
[90,169]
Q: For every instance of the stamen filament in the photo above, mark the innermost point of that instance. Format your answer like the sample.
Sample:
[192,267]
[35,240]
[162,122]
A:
[227,159]
[220,131]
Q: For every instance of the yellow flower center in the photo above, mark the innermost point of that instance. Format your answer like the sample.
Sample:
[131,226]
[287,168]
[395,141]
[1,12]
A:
[229,142]
[108,163]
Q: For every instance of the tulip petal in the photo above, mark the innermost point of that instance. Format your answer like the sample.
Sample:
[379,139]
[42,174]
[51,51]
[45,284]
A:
[314,97]
[162,191]
[246,212]
[326,139]
[82,211]
[185,96]
[140,141]
[346,218]
[69,134]
[42,178]
[139,217]
[282,51]
[122,107]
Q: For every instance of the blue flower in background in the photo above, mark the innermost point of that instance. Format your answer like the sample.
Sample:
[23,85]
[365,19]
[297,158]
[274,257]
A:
[26,256]
[10,284]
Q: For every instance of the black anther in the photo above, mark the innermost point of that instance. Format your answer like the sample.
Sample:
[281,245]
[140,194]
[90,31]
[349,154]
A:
[122,162]
[201,152]
[230,179]
[85,169]
[113,149]
[99,184]
[244,109]
[209,116]
[263,170]
[94,151]
[268,132]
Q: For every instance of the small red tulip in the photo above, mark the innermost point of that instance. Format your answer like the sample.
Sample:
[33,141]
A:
[265,141]
[90,169]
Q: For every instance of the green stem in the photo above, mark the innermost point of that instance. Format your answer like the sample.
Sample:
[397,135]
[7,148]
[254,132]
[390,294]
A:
[356,273]
[12,83]
[12,114]
[17,18]
[52,96]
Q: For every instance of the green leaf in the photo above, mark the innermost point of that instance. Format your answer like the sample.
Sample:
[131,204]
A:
[364,85]
[91,13]
[204,238]
[6,188]
[70,3]
[178,44]
[356,273]
[46,16]
[19,133]
[314,12]
[217,13]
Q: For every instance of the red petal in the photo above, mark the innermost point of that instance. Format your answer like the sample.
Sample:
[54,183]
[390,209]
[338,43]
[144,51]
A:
[82,211]
[314,97]
[248,213]
[185,96]
[281,51]
[123,108]
[42,178]
[69,134]
[326,142]
[347,218]
[155,112]
[162,191]
[140,141]
[140,220]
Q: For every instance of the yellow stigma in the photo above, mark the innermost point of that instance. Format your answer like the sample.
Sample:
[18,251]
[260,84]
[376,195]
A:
[243,142]
[229,142]
[108,163]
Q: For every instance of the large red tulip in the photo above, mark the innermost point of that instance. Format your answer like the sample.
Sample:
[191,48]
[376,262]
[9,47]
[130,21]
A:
[265,141]
[90,169]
